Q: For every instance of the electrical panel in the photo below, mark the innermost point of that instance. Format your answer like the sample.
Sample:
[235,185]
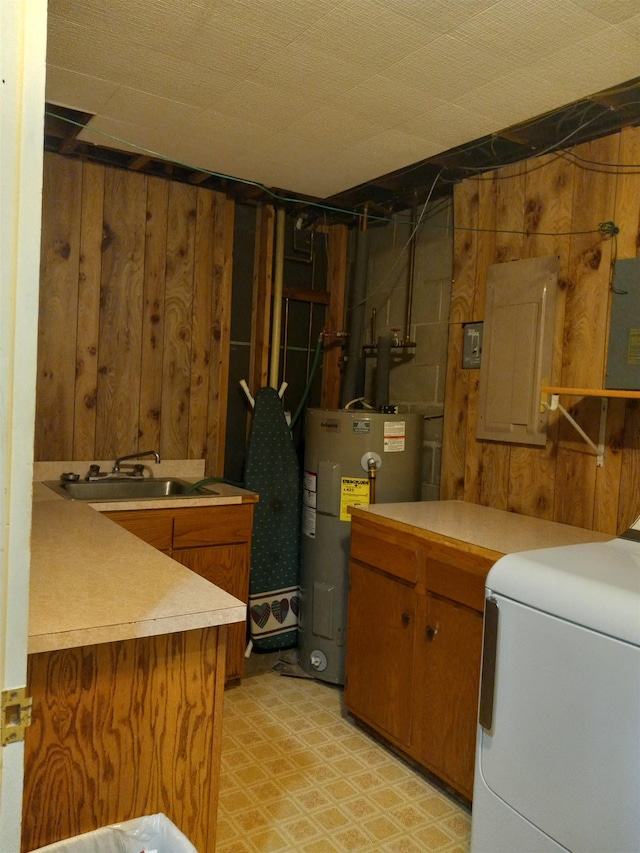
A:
[517,349]
[623,357]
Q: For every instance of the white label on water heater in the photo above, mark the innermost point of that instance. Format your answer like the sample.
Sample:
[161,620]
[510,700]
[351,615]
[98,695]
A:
[309,522]
[310,481]
[394,436]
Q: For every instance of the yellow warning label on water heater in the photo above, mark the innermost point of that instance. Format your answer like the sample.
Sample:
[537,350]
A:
[354,491]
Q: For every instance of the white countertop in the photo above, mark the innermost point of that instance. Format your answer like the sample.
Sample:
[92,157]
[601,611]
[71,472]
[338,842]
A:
[94,582]
[483,527]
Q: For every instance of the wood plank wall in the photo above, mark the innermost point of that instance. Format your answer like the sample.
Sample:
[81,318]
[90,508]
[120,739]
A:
[134,316]
[524,211]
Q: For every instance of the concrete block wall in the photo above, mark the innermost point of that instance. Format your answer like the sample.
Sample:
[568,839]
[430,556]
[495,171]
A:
[417,378]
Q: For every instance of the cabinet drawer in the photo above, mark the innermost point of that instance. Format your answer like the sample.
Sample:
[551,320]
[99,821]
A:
[395,554]
[153,526]
[217,525]
[457,575]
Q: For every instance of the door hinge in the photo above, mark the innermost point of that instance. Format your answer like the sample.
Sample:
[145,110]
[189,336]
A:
[16,715]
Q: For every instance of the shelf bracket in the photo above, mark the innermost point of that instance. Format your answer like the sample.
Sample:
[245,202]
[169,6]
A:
[555,405]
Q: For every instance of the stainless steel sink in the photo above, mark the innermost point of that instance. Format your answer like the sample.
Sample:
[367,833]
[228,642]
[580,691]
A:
[127,489]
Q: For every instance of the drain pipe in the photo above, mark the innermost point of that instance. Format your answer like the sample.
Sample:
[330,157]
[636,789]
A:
[356,324]
[276,324]
[410,270]
[383,369]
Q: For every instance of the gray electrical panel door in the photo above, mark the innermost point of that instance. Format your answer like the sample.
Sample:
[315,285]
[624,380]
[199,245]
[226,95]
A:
[623,358]
[517,349]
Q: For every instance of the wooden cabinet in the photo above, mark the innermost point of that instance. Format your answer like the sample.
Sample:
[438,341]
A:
[414,640]
[446,692]
[125,729]
[214,542]
[381,649]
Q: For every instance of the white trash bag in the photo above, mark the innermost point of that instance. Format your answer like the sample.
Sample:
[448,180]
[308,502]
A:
[150,834]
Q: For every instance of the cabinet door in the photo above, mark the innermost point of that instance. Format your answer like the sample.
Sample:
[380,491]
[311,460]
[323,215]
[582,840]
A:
[227,566]
[448,672]
[380,646]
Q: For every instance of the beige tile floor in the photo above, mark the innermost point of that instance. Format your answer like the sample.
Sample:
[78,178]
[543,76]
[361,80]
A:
[298,777]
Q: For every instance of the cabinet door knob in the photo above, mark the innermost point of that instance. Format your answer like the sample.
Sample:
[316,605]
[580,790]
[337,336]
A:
[431,632]
[406,618]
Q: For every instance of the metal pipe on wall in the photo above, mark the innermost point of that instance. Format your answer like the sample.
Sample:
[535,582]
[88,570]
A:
[383,369]
[357,318]
[411,271]
[276,324]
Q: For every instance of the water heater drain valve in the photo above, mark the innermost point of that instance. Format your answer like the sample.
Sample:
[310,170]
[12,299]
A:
[371,462]
[318,660]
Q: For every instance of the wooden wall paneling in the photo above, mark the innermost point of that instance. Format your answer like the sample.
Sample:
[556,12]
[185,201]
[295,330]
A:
[57,329]
[627,218]
[547,221]
[590,268]
[220,334]
[509,223]
[201,345]
[585,331]
[465,221]
[86,387]
[488,189]
[605,511]
[627,210]
[334,316]
[155,259]
[474,454]
[466,198]
[262,290]
[485,256]
[178,314]
[455,419]
[629,501]
[119,349]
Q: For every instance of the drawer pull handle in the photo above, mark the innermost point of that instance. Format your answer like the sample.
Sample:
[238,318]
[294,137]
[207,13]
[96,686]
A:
[431,632]
[406,618]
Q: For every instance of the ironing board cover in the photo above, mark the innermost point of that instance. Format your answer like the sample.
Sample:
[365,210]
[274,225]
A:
[271,470]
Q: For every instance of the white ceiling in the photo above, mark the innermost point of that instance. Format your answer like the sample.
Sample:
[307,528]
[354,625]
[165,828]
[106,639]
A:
[318,96]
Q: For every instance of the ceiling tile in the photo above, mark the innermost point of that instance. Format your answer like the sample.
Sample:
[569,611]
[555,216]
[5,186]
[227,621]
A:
[119,135]
[265,105]
[574,78]
[387,101]
[78,91]
[446,125]
[440,16]
[321,95]
[528,31]
[135,107]
[448,67]
[609,11]
[368,33]
[309,69]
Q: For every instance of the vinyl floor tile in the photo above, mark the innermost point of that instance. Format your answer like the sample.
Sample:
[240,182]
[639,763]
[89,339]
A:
[299,777]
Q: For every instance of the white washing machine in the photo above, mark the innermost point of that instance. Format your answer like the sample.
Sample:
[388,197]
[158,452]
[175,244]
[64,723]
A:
[558,747]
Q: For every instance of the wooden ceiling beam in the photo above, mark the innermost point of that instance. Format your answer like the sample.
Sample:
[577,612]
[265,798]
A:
[199,177]
[139,162]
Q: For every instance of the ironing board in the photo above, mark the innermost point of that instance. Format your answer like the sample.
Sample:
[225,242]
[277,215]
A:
[272,470]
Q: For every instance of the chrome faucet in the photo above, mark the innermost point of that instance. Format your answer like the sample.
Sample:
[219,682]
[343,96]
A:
[116,465]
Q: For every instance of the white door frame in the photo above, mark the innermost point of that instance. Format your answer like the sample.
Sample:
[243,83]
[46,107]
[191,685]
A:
[23,28]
